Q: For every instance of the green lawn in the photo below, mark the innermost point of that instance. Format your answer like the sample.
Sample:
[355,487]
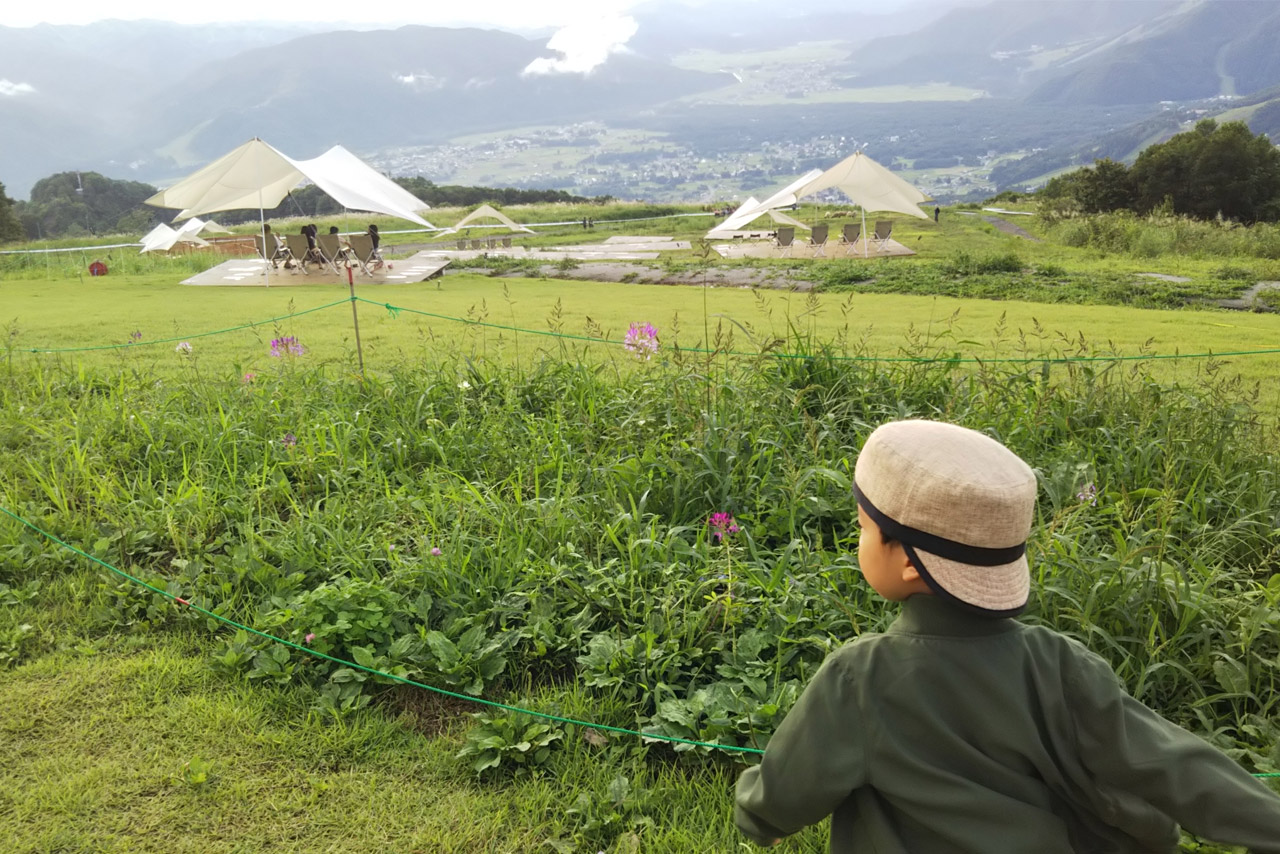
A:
[105,312]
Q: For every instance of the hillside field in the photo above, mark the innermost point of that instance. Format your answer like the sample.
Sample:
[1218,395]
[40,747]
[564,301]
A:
[227,569]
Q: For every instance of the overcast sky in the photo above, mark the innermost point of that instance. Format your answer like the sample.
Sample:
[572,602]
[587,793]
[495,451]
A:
[504,14]
[501,14]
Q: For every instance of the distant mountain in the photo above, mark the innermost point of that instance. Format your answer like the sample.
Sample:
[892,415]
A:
[1065,79]
[1200,50]
[1001,46]
[407,86]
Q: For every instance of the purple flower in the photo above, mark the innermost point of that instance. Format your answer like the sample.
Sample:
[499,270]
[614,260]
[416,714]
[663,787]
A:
[1089,494]
[135,336]
[184,347]
[435,551]
[309,638]
[248,378]
[288,345]
[289,440]
[721,525]
[641,341]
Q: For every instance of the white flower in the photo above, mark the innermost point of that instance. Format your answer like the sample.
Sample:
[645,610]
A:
[464,385]
[184,347]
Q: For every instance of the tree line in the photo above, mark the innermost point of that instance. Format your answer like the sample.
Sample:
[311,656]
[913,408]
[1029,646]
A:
[1212,171]
[73,204]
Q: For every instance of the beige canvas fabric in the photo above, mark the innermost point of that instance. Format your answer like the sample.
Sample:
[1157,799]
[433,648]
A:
[961,485]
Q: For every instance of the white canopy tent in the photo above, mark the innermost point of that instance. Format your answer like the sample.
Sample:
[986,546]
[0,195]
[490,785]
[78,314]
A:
[868,185]
[162,238]
[751,209]
[747,213]
[490,212]
[256,175]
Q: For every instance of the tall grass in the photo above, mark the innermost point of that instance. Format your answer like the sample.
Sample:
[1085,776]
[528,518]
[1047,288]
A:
[460,523]
[1162,234]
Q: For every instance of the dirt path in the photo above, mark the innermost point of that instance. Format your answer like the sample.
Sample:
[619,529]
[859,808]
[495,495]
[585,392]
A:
[622,271]
[1009,228]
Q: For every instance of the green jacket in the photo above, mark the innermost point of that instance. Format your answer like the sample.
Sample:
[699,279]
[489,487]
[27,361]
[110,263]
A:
[952,733]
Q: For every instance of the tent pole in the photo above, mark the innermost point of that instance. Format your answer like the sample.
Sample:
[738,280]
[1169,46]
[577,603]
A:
[864,234]
[355,319]
[262,224]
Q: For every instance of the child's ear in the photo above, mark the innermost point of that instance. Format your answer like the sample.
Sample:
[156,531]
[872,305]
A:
[909,571]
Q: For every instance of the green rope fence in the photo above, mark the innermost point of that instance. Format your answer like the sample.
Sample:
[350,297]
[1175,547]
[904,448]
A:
[133,344]
[479,700]
[468,698]
[395,310]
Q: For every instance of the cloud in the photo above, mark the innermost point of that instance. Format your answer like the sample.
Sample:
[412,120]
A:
[583,45]
[421,81]
[11,89]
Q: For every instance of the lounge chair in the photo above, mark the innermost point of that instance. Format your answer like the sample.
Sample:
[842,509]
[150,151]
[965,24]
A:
[277,253]
[331,250]
[301,251]
[365,256]
[849,237]
[785,239]
[477,244]
[818,240]
[884,228]
[506,242]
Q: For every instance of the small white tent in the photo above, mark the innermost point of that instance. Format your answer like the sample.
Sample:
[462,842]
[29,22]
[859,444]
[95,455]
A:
[747,213]
[751,209]
[490,212]
[162,238]
[256,175]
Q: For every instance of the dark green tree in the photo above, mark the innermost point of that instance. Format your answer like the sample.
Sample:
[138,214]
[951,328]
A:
[10,225]
[1211,170]
[1105,186]
[76,203]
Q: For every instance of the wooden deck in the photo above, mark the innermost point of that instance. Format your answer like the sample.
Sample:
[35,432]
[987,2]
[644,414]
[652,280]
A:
[253,272]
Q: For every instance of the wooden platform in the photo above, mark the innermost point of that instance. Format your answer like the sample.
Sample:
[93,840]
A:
[252,272]
[801,249]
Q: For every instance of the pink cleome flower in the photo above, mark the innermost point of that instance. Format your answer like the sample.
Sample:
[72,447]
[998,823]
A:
[721,525]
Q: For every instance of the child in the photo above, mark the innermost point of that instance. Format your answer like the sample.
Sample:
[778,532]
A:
[962,730]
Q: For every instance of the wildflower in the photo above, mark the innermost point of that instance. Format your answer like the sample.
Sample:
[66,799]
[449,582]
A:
[289,440]
[289,345]
[249,377]
[309,638]
[464,385]
[641,341]
[721,525]
[435,551]
[184,347]
[1088,494]
[135,336]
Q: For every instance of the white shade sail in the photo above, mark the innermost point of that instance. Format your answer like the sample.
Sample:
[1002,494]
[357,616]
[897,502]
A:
[256,175]
[162,238]
[868,185]
[750,210]
[490,212]
[789,194]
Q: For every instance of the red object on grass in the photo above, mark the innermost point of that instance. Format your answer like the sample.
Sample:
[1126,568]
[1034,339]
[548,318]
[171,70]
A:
[97,268]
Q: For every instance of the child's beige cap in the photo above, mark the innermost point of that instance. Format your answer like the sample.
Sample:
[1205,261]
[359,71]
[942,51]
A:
[960,503]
